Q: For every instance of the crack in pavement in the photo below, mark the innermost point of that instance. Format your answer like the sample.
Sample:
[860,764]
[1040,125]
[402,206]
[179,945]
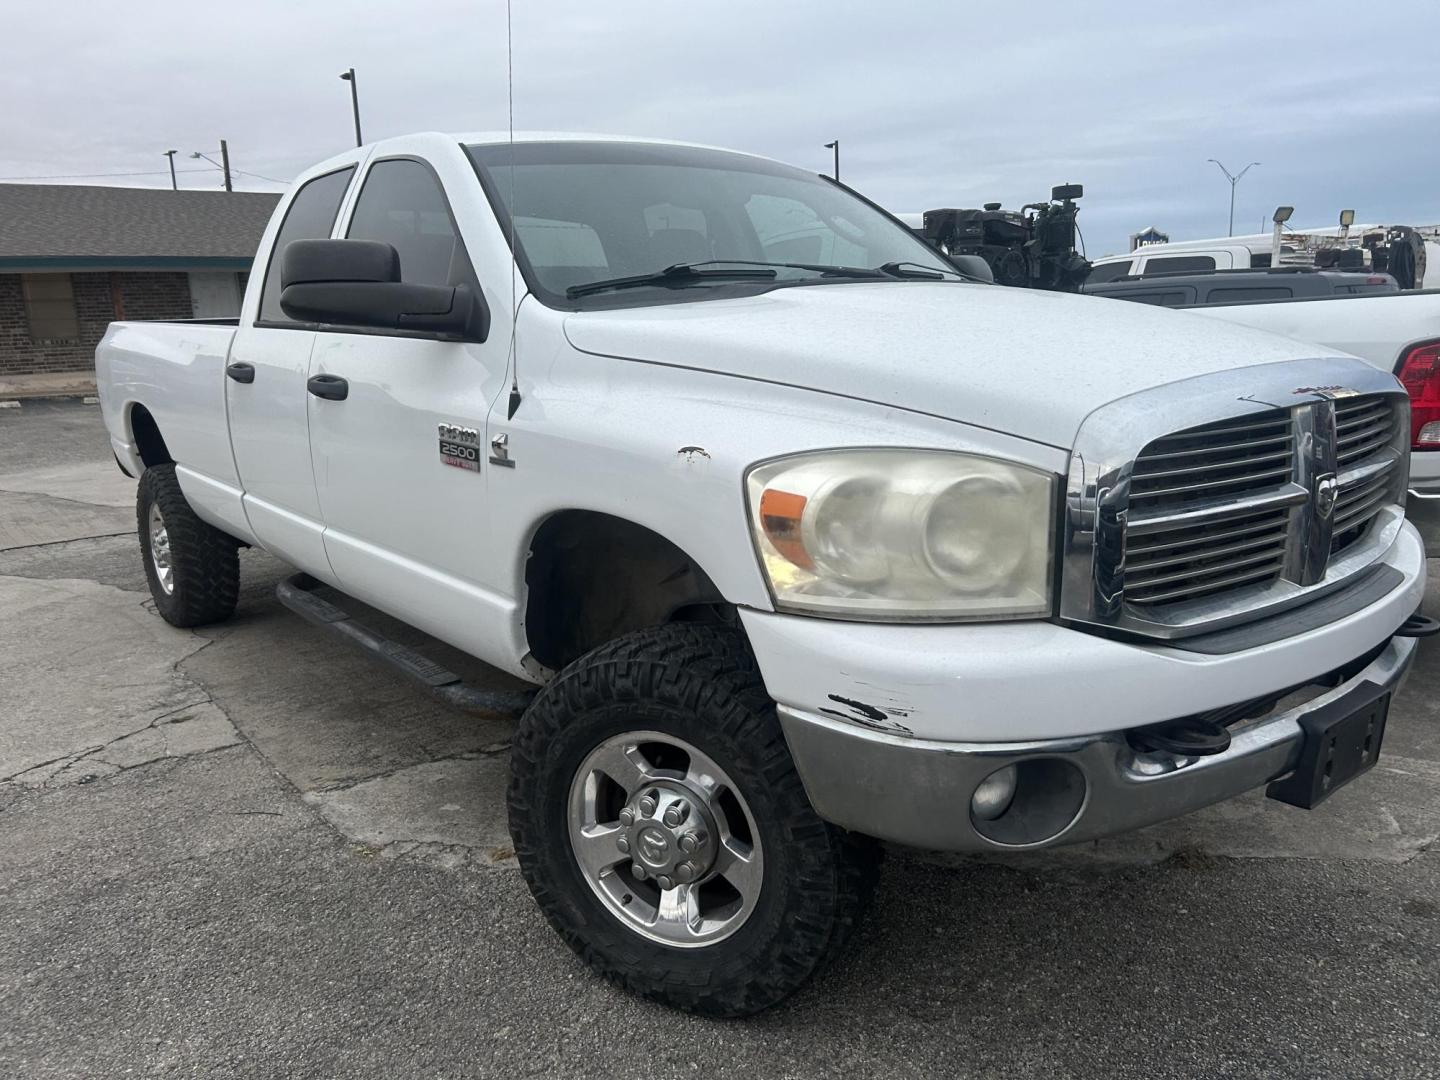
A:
[70,540]
[488,751]
[158,724]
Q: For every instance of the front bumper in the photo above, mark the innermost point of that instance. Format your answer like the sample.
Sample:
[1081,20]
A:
[919,792]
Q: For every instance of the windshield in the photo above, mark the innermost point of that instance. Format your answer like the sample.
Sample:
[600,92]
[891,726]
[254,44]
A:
[589,212]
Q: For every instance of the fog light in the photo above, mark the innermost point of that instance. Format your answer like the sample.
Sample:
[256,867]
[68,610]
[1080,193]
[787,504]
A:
[992,797]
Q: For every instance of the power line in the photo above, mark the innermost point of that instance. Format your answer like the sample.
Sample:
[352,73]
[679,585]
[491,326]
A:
[257,176]
[89,176]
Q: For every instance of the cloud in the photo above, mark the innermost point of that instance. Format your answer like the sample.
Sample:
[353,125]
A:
[935,103]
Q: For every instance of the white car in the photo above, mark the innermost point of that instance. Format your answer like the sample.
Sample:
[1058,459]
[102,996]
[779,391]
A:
[803,548]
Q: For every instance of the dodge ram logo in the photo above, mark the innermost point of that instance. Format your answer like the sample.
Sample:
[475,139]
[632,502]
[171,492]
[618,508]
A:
[1325,489]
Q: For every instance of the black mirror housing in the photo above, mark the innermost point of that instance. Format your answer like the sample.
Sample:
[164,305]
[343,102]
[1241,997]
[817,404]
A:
[357,283]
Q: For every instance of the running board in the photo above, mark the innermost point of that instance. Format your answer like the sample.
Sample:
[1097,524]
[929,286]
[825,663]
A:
[297,595]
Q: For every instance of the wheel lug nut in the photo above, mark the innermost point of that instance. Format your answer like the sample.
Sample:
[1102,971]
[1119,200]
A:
[690,841]
[627,816]
[647,805]
[685,872]
[677,813]
[623,844]
[638,871]
[665,881]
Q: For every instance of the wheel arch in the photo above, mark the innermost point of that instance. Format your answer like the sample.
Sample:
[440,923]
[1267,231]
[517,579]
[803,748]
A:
[591,577]
[146,437]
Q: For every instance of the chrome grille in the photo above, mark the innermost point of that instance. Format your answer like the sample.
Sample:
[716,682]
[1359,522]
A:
[1364,427]
[1195,560]
[1172,555]
[1229,496]
[1216,460]
[1214,508]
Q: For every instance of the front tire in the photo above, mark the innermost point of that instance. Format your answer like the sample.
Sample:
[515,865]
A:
[193,568]
[663,830]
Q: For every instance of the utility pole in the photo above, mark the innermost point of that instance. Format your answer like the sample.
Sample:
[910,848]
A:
[836,147]
[171,155]
[1233,181]
[223,164]
[349,76]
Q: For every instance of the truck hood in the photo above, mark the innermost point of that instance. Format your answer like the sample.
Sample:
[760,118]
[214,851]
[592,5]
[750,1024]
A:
[1028,363]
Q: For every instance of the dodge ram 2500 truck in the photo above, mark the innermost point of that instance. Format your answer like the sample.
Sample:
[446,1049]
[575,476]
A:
[807,540]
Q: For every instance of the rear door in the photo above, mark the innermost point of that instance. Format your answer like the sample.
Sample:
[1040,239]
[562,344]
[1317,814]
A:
[266,397]
[401,462]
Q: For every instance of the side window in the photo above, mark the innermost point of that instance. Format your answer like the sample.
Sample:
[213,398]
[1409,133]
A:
[1176,264]
[1108,272]
[1240,295]
[401,204]
[311,217]
[1175,298]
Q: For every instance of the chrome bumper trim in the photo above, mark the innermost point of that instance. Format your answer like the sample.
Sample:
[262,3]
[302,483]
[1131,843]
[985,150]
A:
[917,792]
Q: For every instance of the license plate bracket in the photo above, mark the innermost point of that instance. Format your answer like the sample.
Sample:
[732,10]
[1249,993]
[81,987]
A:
[1342,741]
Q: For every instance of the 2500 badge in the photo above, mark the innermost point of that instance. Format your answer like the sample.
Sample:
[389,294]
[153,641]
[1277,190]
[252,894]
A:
[460,447]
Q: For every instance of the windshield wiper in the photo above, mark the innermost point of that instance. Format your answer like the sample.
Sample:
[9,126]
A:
[678,274]
[912,270]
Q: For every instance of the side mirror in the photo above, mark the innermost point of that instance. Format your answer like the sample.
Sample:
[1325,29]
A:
[357,283]
[975,266]
[1066,192]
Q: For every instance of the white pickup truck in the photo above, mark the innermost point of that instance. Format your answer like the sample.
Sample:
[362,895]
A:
[807,540]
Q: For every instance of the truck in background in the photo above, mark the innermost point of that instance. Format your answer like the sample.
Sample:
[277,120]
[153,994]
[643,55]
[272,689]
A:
[1404,252]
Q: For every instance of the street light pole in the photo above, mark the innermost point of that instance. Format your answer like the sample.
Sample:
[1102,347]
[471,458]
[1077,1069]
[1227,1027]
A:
[1233,181]
[349,76]
[223,164]
[171,155]
[836,147]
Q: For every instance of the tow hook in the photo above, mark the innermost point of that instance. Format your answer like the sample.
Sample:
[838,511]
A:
[1418,626]
[1191,737]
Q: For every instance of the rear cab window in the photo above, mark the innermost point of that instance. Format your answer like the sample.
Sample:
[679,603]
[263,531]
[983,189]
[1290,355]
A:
[1108,272]
[311,216]
[1177,264]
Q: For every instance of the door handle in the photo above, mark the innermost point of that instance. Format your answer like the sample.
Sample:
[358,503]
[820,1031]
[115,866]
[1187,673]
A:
[241,371]
[330,387]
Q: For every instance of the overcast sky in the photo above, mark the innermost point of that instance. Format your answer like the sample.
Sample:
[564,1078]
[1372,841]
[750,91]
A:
[935,103]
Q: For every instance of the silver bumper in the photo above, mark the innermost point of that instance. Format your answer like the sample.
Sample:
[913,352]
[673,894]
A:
[918,792]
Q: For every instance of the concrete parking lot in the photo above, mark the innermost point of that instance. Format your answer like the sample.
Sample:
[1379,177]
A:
[247,851]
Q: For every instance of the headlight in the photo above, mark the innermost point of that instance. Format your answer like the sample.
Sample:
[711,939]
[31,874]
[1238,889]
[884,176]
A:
[904,534]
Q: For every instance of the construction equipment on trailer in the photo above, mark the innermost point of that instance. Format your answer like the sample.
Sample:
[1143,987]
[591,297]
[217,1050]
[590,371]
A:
[1034,247]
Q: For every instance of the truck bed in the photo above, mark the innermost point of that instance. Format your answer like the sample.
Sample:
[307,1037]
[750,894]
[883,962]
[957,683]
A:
[177,369]
[1378,328]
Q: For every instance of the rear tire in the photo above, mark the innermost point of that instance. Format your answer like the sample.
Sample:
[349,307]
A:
[685,701]
[193,568]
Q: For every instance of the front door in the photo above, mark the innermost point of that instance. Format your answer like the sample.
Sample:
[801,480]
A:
[267,401]
[400,462]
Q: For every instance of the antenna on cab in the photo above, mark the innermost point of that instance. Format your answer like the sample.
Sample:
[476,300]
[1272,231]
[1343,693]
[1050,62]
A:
[514,254]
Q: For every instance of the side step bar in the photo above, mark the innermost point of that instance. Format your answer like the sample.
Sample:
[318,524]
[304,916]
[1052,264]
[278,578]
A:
[297,595]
